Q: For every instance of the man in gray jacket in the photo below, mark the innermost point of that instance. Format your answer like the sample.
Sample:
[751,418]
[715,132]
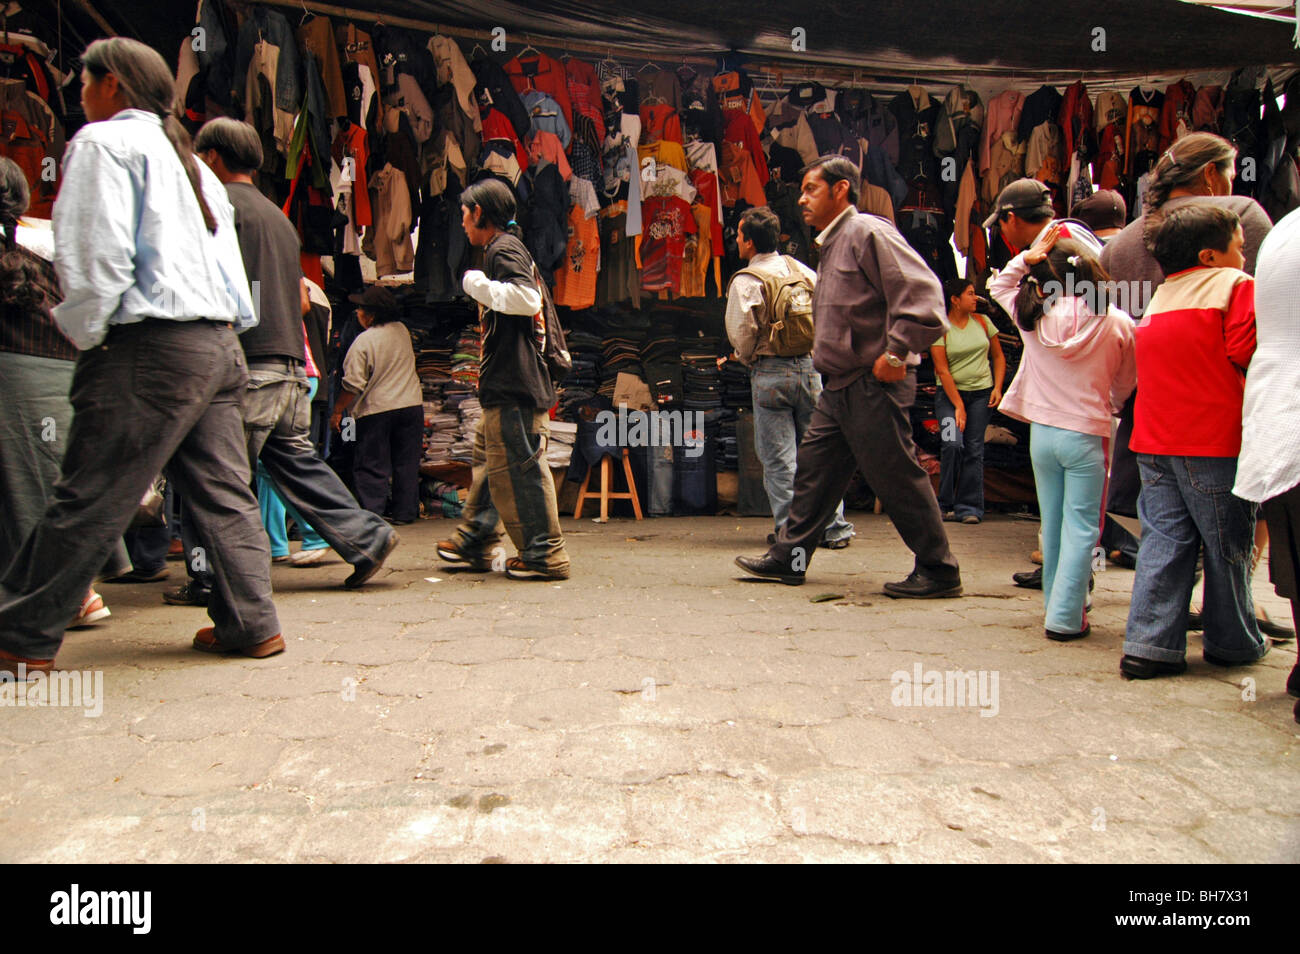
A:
[877,307]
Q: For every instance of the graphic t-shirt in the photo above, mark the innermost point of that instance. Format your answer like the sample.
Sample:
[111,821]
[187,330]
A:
[666,221]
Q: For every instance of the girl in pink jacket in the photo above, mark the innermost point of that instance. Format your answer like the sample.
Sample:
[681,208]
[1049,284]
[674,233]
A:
[1078,369]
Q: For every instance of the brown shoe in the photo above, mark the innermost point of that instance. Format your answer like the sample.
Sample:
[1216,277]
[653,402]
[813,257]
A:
[368,566]
[205,640]
[10,663]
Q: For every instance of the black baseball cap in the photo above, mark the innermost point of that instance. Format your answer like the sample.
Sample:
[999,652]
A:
[1023,195]
[1101,210]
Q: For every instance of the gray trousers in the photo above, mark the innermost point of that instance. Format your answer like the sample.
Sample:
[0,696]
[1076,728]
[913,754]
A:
[154,391]
[277,427]
[865,426]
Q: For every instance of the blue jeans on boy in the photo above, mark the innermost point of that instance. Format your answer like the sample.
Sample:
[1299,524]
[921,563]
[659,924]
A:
[961,458]
[1070,476]
[1187,501]
[785,391]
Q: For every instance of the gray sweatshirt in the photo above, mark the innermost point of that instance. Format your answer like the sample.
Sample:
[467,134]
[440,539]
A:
[874,292]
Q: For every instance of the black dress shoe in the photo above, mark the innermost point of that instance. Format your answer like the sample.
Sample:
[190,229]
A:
[1229,663]
[1066,637]
[1194,622]
[1135,667]
[919,586]
[1029,580]
[771,539]
[1278,632]
[370,566]
[189,594]
[768,568]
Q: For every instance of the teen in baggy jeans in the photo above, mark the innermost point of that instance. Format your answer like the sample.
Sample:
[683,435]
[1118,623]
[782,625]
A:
[1185,500]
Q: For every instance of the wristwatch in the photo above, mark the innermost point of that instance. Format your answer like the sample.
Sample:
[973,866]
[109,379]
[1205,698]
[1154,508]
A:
[894,360]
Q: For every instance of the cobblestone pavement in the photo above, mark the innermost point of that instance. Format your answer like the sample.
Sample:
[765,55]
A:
[654,708]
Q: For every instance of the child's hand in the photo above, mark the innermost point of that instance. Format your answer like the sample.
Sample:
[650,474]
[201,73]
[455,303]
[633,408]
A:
[1043,244]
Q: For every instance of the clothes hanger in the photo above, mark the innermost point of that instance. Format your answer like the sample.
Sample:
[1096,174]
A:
[306,14]
[478,48]
[526,49]
[647,65]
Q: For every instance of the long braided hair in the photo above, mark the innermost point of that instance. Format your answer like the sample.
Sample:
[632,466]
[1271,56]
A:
[1180,165]
[26,284]
[147,84]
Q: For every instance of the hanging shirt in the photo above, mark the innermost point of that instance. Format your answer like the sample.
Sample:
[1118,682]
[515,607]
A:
[547,75]
[667,222]
[545,147]
[497,126]
[575,279]
[130,246]
[547,115]
[660,122]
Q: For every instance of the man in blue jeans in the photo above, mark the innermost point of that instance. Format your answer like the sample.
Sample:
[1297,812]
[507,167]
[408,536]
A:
[785,386]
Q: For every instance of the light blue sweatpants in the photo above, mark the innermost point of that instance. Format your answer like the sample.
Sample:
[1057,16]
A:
[1070,475]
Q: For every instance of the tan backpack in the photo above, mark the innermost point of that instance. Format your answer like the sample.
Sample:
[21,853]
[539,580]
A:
[788,330]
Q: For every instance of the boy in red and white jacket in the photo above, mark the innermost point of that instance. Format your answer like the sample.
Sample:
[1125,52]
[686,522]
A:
[1193,347]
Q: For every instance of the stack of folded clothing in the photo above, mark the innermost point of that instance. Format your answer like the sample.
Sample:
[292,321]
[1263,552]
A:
[559,450]
[440,431]
[661,357]
[701,380]
[721,426]
[587,351]
[467,356]
[462,450]
[441,499]
[736,392]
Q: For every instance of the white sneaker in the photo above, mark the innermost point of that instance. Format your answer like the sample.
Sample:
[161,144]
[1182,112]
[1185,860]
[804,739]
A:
[308,557]
[92,611]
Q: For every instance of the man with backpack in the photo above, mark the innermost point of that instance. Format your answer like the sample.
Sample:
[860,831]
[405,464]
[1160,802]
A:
[770,324]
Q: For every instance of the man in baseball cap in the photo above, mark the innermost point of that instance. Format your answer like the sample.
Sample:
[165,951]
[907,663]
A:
[1104,212]
[1024,209]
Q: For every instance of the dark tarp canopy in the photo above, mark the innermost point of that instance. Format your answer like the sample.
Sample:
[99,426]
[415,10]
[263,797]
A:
[986,37]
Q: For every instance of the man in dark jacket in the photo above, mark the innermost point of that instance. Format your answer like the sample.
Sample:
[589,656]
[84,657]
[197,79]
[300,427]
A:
[876,308]
[277,414]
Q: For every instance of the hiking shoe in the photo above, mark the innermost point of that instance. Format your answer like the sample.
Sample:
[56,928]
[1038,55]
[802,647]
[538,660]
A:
[517,569]
[449,552]
[188,594]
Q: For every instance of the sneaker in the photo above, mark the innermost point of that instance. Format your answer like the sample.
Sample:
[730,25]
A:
[190,594]
[840,544]
[92,611]
[517,569]
[449,552]
[1036,557]
[280,559]
[949,516]
[920,586]
[309,557]
[971,519]
[140,576]
[1135,667]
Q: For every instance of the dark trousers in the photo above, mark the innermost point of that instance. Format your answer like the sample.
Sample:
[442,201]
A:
[155,391]
[865,425]
[389,445]
[276,419]
[961,455]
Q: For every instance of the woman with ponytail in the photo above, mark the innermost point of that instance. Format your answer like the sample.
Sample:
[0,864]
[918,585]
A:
[154,291]
[1078,370]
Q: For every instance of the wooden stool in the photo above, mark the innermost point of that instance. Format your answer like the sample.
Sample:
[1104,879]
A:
[607,492]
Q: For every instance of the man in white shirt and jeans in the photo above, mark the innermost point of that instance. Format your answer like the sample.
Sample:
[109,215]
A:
[785,389]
